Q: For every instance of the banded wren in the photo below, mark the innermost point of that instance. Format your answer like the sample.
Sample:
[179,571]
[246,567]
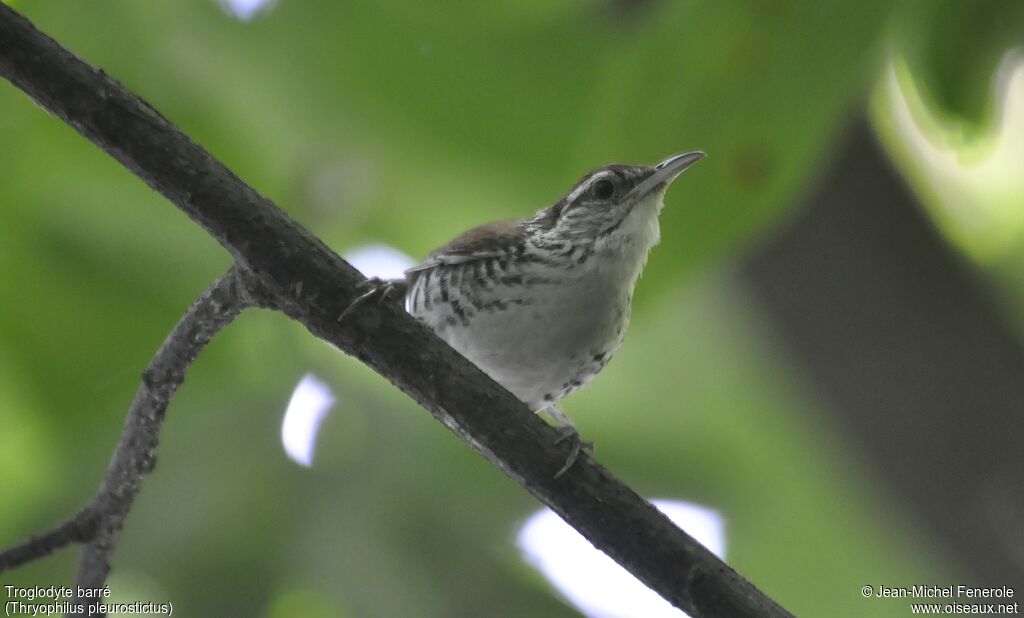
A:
[541,304]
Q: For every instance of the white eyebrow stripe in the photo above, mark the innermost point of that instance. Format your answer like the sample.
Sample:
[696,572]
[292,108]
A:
[586,185]
[576,192]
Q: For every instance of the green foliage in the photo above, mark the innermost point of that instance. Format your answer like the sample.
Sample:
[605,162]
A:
[955,47]
[951,112]
[404,122]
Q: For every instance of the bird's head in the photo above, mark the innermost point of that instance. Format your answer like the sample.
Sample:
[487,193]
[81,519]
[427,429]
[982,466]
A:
[612,205]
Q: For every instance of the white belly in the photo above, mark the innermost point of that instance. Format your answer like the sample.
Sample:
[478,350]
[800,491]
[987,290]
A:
[542,341]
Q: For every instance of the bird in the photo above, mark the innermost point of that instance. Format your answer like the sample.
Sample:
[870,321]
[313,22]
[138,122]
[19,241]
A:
[541,304]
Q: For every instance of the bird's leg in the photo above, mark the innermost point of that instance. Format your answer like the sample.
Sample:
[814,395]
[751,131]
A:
[567,431]
[384,289]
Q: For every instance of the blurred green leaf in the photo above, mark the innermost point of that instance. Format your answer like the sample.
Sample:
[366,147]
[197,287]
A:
[972,186]
[954,48]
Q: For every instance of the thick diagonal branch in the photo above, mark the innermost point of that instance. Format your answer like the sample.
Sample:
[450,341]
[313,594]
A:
[300,276]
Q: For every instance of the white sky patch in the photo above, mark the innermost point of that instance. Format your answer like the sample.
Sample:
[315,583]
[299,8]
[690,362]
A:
[310,402]
[245,10]
[379,260]
[593,582]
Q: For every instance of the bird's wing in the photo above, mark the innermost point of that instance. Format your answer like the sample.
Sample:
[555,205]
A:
[486,241]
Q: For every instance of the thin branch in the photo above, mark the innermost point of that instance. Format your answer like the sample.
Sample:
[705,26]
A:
[136,452]
[99,524]
[297,274]
[78,529]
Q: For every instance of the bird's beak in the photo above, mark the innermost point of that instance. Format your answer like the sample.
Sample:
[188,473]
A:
[665,172]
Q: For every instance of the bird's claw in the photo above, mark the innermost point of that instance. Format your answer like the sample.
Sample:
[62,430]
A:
[577,444]
[374,286]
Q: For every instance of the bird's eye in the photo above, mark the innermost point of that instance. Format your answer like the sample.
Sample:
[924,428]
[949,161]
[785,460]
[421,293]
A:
[603,189]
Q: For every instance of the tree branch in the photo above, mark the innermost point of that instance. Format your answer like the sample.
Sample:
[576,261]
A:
[79,529]
[295,272]
[99,524]
[136,452]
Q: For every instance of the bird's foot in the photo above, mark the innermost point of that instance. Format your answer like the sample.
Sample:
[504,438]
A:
[569,433]
[383,289]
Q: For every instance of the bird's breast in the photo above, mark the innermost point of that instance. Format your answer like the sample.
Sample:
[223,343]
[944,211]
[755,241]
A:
[541,329]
